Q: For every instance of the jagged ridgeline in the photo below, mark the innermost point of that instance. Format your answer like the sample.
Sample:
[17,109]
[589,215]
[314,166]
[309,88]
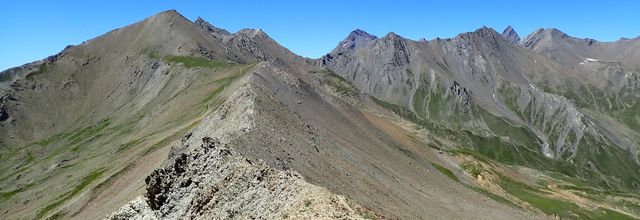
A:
[491,95]
[170,119]
[483,91]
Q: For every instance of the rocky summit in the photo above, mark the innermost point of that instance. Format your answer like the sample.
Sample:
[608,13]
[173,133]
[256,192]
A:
[169,118]
[511,35]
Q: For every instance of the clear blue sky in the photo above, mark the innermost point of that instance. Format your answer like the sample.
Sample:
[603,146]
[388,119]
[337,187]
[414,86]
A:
[31,30]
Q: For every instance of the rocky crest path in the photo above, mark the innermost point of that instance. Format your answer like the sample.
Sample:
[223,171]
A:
[205,178]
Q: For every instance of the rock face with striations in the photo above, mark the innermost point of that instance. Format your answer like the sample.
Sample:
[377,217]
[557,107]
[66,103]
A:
[460,82]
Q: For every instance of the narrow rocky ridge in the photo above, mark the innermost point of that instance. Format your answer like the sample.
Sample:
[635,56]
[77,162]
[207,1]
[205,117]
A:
[206,177]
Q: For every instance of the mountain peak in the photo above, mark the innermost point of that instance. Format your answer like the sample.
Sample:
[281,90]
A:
[552,32]
[541,35]
[200,22]
[556,32]
[361,33]
[357,38]
[253,32]
[483,32]
[511,35]
[392,35]
[167,19]
[169,14]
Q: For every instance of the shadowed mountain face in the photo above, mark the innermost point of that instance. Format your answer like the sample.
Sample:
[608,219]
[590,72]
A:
[169,119]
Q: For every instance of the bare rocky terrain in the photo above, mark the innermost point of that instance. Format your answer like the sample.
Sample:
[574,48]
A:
[173,119]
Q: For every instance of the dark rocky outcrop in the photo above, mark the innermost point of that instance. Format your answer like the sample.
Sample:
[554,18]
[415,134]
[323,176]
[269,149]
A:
[4,115]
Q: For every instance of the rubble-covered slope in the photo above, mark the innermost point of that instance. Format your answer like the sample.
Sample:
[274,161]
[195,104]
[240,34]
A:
[206,178]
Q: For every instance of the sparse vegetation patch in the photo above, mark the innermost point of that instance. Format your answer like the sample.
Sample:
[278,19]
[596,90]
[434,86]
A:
[446,171]
[192,62]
